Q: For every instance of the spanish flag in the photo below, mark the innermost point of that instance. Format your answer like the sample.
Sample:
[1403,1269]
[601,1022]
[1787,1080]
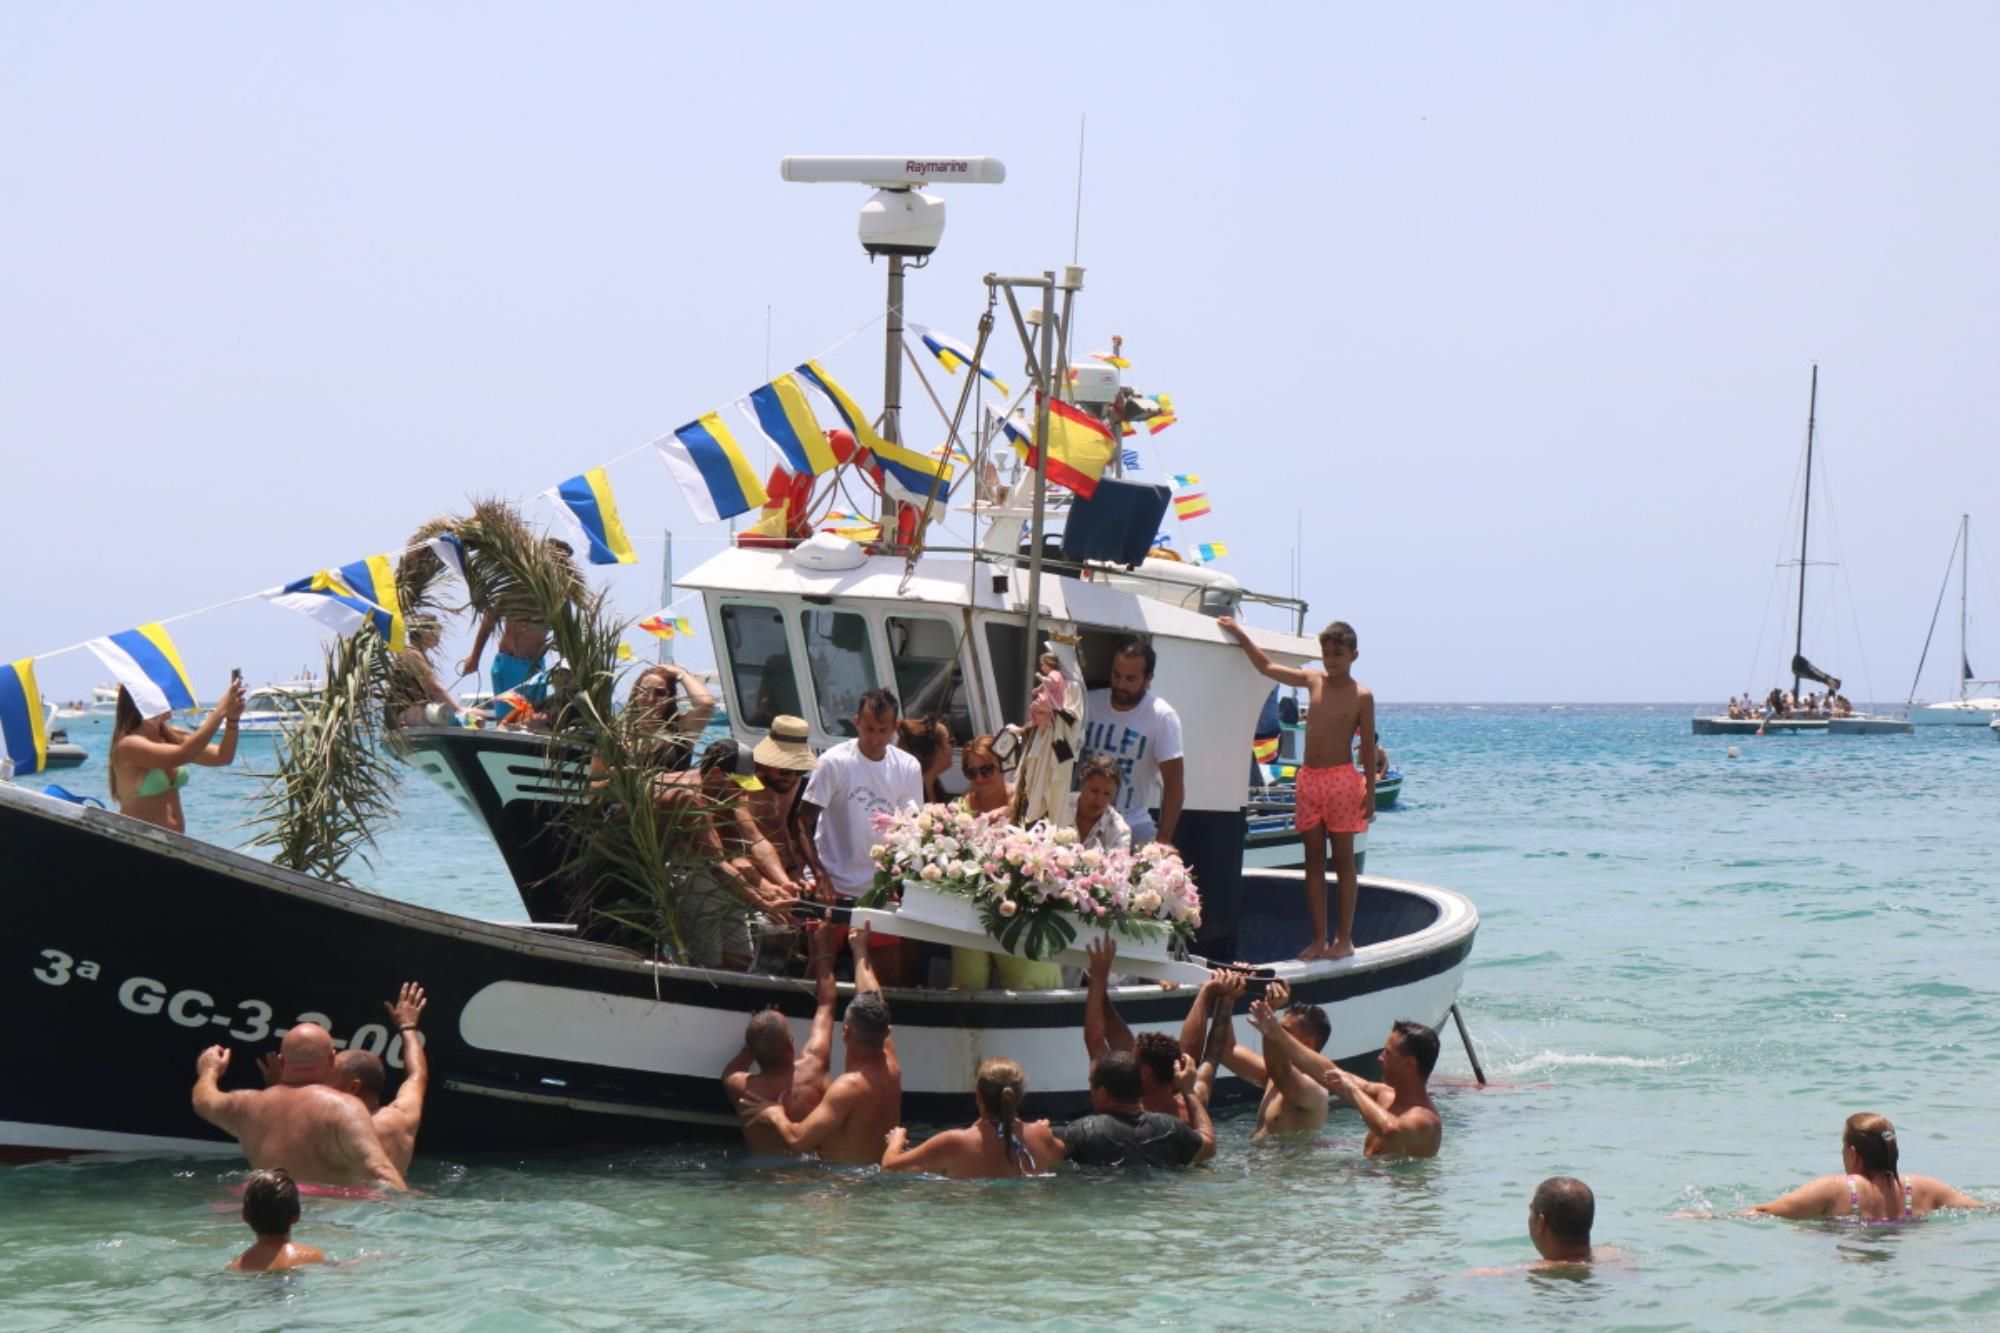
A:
[591,511]
[1264,750]
[1190,506]
[23,737]
[1080,447]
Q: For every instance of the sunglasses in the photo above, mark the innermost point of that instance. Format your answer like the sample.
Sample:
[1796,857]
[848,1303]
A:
[983,771]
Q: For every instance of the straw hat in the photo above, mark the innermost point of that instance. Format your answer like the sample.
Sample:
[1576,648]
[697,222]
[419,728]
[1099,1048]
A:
[788,746]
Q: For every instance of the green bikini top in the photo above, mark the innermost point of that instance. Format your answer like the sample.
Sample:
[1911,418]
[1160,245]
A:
[155,783]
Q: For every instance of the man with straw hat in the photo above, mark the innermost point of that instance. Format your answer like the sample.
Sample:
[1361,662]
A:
[781,761]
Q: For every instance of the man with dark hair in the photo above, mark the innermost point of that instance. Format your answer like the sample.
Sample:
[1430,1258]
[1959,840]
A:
[1286,1069]
[271,1209]
[851,1124]
[1119,1132]
[1559,1222]
[855,781]
[1103,1030]
[1402,1120]
[362,1074]
[793,1080]
[316,1131]
[1141,732]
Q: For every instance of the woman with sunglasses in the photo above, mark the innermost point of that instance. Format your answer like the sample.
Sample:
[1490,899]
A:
[975,969]
[988,788]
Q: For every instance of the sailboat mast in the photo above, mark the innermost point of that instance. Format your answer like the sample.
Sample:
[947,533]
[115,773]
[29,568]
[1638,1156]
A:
[1805,520]
[1964,562]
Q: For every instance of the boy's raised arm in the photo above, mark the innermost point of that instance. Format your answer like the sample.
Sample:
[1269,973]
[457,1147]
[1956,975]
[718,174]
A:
[1284,675]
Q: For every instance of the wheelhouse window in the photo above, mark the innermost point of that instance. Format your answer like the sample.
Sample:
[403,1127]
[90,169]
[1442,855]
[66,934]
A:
[843,666]
[1007,647]
[924,652]
[760,662]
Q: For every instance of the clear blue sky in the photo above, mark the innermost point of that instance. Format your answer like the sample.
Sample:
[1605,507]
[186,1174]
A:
[1515,303]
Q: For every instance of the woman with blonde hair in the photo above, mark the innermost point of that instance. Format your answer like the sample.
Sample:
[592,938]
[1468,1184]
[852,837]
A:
[1870,1188]
[150,755]
[997,1146]
[987,788]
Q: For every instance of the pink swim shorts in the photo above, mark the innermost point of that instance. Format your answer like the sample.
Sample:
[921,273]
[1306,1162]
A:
[1331,798]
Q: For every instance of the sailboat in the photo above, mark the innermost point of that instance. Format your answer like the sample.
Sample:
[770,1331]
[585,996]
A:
[1968,709]
[1778,714]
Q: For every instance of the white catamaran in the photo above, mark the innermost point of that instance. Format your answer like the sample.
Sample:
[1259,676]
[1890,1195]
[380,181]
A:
[1969,709]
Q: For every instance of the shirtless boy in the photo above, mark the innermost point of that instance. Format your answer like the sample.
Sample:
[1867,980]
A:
[851,1124]
[1401,1118]
[316,1132]
[271,1209]
[523,641]
[1334,800]
[794,1081]
[361,1074]
[1294,1101]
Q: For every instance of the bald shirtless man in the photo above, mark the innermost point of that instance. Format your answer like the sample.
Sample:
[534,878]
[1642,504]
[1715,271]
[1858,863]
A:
[1294,1103]
[318,1133]
[361,1074]
[851,1124]
[793,1081]
[1401,1118]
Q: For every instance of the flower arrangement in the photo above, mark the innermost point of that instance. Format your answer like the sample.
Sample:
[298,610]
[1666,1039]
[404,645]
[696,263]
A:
[1031,885]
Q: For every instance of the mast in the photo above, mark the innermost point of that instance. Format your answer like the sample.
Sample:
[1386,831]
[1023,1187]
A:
[1964,560]
[1805,522]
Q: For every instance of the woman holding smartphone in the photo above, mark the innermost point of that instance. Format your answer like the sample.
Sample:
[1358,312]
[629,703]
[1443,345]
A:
[150,755]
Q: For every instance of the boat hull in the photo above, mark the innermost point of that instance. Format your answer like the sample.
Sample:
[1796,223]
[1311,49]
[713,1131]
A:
[156,946]
[1957,713]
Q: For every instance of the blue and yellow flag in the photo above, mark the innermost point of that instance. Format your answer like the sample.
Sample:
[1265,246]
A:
[713,471]
[331,599]
[906,474]
[373,580]
[951,354]
[23,737]
[814,374]
[149,667]
[588,506]
[784,418]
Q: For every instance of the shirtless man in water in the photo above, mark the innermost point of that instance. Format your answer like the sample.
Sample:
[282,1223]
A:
[1103,1030]
[1334,800]
[851,1124]
[1294,1101]
[793,1081]
[1402,1120]
[318,1133]
[362,1075]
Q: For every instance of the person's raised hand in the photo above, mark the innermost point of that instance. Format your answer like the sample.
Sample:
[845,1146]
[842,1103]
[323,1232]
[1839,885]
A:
[1102,951]
[1230,986]
[272,1066]
[1185,1072]
[214,1060]
[407,1009]
[231,706]
[1228,625]
[1262,1018]
[899,1141]
[1278,994]
[857,940]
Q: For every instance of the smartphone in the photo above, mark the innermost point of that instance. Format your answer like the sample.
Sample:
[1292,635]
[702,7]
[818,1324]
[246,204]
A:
[235,675]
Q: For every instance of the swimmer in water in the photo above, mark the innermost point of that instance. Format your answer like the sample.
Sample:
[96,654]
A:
[997,1146]
[792,1079]
[321,1135]
[271,1208]
[1401,1118]
[1870,1188]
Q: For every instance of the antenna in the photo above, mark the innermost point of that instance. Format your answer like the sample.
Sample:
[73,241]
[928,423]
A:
[1076,237]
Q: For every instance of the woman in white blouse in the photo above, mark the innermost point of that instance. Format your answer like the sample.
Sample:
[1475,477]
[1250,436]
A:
[1097,821]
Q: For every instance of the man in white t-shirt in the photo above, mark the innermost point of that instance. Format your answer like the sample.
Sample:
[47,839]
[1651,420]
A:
[1141,733]
[855,781]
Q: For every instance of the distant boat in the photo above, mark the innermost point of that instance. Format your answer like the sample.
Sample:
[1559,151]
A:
[269,710]
[1968,709]
[101,711]
[62,751]
[1775,717]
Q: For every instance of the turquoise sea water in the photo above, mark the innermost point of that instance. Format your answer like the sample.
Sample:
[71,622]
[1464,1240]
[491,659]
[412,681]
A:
[1690,969]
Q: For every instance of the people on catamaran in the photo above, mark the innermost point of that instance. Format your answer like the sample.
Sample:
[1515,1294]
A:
[362,1074]
[706,818]
[1103,1030]
[1401,1118]
[999,1145]
[524,639]
[1870,1187]
[852,1121]
[1842,708]
[415,695]
[271,1210]
[150,756]
[771,1068]
[783,760]
[1093,809]
[322,1135]
[1333,800]
[928,741]
[1294,1101]
[1140,732]
[855,781]
[1121,1133]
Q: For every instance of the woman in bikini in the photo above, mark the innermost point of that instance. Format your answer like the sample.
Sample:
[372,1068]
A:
[150,755]
[1870,1189]
[997,1146]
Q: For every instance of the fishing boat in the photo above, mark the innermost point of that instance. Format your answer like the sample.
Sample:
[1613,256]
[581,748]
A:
[539,1035]
[1969,709]
[1774,717]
